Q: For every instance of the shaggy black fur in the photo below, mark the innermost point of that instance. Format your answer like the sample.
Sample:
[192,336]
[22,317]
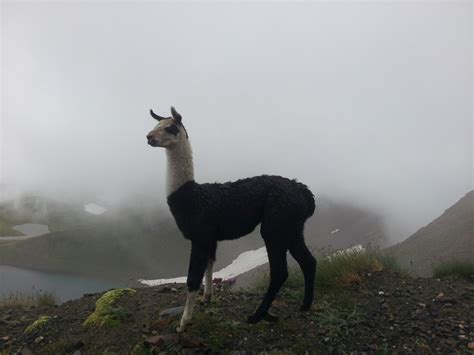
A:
[208,213]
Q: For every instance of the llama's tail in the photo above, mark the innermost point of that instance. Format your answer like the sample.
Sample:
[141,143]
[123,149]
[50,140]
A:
[308,195]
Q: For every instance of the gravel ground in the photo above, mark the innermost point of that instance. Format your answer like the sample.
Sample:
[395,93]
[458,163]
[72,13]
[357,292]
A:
[385,312]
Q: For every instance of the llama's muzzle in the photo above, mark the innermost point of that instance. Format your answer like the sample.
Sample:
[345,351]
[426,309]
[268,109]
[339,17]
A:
[151,140]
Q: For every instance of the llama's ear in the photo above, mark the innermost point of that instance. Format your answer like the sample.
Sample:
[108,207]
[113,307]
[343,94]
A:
[155,116]
[177,117]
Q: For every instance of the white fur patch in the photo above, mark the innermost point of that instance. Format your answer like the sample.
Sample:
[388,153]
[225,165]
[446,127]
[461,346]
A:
[208,280]
[180,168]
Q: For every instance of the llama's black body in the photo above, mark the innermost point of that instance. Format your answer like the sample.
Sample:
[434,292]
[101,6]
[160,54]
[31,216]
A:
[212,212]
[208,213]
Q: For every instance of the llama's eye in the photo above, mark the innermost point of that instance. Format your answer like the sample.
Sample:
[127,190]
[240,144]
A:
[173,129]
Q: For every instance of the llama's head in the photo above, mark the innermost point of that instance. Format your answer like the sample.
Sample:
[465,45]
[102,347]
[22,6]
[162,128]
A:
[168,132]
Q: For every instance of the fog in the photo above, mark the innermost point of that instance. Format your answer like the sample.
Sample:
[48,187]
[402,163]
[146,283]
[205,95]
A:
[369,103]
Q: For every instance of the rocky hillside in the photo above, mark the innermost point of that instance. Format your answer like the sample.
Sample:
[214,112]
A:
[449,237]
[377,311]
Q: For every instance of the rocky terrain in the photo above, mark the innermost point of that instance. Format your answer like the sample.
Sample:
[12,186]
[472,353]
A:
[377,311]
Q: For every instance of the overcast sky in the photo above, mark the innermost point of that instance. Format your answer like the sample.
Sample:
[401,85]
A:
[369,103]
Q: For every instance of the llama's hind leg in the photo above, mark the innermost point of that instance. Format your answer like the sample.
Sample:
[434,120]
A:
[307,263]
[208,282]
[206,298]
[278,275]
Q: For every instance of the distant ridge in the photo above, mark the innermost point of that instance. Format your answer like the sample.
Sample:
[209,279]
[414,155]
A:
[449,237]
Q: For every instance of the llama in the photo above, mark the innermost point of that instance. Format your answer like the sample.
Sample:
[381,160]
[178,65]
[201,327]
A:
[208,213]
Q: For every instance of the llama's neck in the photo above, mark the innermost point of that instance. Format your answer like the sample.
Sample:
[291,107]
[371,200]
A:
[180,168]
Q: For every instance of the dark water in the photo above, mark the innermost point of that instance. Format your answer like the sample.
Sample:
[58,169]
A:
[64,286]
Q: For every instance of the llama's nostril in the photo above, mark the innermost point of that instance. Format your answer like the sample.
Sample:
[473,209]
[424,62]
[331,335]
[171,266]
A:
[151,140]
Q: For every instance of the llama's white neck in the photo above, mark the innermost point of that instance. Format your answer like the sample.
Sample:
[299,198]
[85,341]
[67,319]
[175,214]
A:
[180,168]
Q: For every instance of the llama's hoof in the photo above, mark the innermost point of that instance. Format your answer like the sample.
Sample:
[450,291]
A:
[180,329]
[206,299]
[255,318]
[270,317]
[305,307]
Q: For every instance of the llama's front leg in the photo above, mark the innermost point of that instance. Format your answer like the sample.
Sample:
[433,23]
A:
[208,282]
[188,311]
[197,266]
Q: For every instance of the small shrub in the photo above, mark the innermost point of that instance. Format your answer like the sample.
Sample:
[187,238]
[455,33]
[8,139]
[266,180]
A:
[46,299]
[462,269]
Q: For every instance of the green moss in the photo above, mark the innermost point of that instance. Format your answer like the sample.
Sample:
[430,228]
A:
[38,324]
[106,313]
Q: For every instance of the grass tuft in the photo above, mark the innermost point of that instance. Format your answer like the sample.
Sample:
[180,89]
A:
[344,269]
[22,300]
[338,323]
[339,269]
[461,269]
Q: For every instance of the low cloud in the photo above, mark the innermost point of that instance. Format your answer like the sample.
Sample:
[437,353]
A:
[366,103]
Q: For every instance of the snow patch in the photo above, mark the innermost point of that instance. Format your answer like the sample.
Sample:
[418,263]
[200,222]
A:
[94,209]
[30,230]
[244,262]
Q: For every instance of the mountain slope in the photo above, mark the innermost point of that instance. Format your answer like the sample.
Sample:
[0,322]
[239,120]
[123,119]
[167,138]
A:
[449,237]
[338,225]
